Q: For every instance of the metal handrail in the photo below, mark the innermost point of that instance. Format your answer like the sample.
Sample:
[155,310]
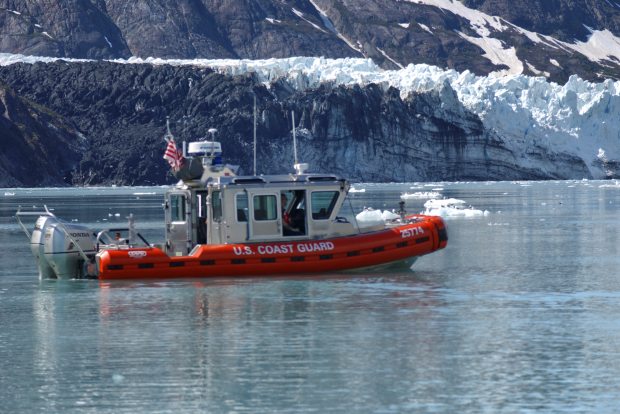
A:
[31,213]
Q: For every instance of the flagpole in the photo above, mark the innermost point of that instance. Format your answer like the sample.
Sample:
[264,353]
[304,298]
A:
[168,133]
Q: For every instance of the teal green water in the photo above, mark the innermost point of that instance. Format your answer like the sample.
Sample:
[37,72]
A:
[520,313]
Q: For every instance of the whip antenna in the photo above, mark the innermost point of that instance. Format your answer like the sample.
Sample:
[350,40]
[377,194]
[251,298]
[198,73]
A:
[254,134]
[300,168]
[294,138]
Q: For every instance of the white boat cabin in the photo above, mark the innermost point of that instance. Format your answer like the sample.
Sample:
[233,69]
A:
[230,209]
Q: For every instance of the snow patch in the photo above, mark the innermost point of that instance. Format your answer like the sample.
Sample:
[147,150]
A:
[601,44]
[327,22]
[404,25]
[425,27]
[385,55]
[495,52]
[301,16]
[535,71]
[323,15]
[479,21]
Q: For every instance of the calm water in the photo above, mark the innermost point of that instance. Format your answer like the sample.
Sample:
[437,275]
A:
[521,313]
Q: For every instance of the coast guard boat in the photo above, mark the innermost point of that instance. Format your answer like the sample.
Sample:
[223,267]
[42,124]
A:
[220,224]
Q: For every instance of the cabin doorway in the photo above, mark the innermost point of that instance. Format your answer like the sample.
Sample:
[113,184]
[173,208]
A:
[178,225]
[293,208]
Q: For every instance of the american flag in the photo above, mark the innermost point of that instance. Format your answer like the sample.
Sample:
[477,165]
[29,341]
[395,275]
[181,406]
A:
[173,155]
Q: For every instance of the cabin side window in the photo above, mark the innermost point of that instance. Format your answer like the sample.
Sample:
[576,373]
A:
[241,206]
[177,207]
[216,204]
[323,203]
[265,207]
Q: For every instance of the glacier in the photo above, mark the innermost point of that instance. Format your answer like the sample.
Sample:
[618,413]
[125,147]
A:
[579,118]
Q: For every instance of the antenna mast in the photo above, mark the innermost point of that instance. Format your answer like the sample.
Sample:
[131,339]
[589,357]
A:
[254,134]
[294,138]
[300,168]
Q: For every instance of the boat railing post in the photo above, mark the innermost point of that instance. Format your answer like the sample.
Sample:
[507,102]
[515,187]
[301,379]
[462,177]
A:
[354,216]
[131,225]
[19,221]
[189,225]
[209,218]
[247,216]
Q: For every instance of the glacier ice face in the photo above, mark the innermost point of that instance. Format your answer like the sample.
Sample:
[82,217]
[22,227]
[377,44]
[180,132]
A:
[580,118]
[577,118]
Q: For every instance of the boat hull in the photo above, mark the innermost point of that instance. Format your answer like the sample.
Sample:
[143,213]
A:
[406,242]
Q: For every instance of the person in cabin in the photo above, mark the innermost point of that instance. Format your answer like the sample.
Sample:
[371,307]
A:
[119,239]
[286,219]
[291,219]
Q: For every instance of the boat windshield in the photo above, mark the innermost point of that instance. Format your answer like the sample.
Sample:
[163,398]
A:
[323,203]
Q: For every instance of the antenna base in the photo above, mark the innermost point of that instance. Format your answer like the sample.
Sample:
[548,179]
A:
[301,168]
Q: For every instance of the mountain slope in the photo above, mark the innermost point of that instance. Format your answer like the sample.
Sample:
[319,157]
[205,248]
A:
[554,39]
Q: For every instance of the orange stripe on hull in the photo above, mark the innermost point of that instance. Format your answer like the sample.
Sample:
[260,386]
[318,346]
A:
[282,257]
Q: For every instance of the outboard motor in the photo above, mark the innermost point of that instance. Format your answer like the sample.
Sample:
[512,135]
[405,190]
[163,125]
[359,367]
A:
[36,246]
[68,249]
[63,250]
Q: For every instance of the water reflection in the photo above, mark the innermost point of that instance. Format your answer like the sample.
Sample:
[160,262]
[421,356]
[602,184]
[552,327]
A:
[237,339]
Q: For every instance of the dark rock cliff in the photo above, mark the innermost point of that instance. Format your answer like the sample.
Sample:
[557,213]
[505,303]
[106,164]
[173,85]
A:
[37,147]
[365,133]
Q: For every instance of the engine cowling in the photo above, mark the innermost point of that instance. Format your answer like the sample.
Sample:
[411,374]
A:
[63,250]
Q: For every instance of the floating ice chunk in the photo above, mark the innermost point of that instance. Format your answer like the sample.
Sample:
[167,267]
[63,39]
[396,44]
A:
[357,190]
[451,207]
[616,184]
[369,217]
[420,194]
[389,215]
[375,218]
